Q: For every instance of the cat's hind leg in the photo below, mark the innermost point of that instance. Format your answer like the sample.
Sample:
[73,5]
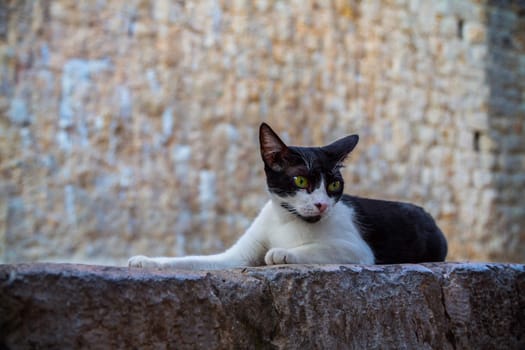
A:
[244,253]
[204,262]
[142,261]
[164,262]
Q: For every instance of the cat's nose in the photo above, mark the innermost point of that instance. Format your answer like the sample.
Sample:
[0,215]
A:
[322,207]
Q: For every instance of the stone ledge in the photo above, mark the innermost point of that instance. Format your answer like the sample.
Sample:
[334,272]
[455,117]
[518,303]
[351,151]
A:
[440,306]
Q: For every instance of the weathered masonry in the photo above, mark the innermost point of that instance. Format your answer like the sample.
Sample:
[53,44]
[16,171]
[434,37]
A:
[130,127]
[430,306]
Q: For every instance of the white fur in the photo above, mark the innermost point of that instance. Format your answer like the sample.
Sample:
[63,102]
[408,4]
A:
[279,237]
[304,202]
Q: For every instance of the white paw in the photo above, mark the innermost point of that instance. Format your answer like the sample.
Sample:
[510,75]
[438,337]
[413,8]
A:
[278,256]
[142,261]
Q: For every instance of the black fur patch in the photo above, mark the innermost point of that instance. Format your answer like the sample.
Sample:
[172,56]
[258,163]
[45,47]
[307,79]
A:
[398,232]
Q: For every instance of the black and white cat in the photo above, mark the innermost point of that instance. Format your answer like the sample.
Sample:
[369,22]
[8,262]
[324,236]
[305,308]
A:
[309,220]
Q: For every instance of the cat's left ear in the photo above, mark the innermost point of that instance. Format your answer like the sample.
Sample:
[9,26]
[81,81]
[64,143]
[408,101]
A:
[340,149]
[273,149]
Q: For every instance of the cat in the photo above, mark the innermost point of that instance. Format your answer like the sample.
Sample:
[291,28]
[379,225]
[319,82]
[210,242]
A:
[308,219]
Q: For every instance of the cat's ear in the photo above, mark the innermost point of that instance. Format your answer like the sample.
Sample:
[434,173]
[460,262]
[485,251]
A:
[273,149]
[340,149]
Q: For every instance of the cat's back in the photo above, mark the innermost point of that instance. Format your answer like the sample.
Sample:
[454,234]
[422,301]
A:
[397,232]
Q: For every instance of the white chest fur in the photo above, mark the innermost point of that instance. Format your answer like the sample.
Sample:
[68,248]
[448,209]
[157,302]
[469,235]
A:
[276,228]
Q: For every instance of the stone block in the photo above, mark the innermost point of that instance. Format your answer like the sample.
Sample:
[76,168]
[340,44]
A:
[474,33]
[119,102]
[448,27]
[445,306]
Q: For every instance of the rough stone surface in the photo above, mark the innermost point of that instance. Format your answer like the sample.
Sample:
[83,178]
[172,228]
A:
[130,127]
[428,306]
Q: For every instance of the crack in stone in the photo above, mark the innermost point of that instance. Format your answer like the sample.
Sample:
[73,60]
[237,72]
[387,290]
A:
[449,334]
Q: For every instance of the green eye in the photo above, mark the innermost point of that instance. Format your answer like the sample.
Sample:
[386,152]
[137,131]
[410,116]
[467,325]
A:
[334,186]
[300,181]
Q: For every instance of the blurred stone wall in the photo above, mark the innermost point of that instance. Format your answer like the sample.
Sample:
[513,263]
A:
[130,127]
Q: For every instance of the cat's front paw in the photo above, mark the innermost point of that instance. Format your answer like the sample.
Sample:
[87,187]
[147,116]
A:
[278,256]
[142,261]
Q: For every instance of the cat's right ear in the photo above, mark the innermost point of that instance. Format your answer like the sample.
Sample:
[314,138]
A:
[273,149]
[340,149]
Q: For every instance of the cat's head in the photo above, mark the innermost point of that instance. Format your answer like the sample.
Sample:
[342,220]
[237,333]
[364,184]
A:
[305,181]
